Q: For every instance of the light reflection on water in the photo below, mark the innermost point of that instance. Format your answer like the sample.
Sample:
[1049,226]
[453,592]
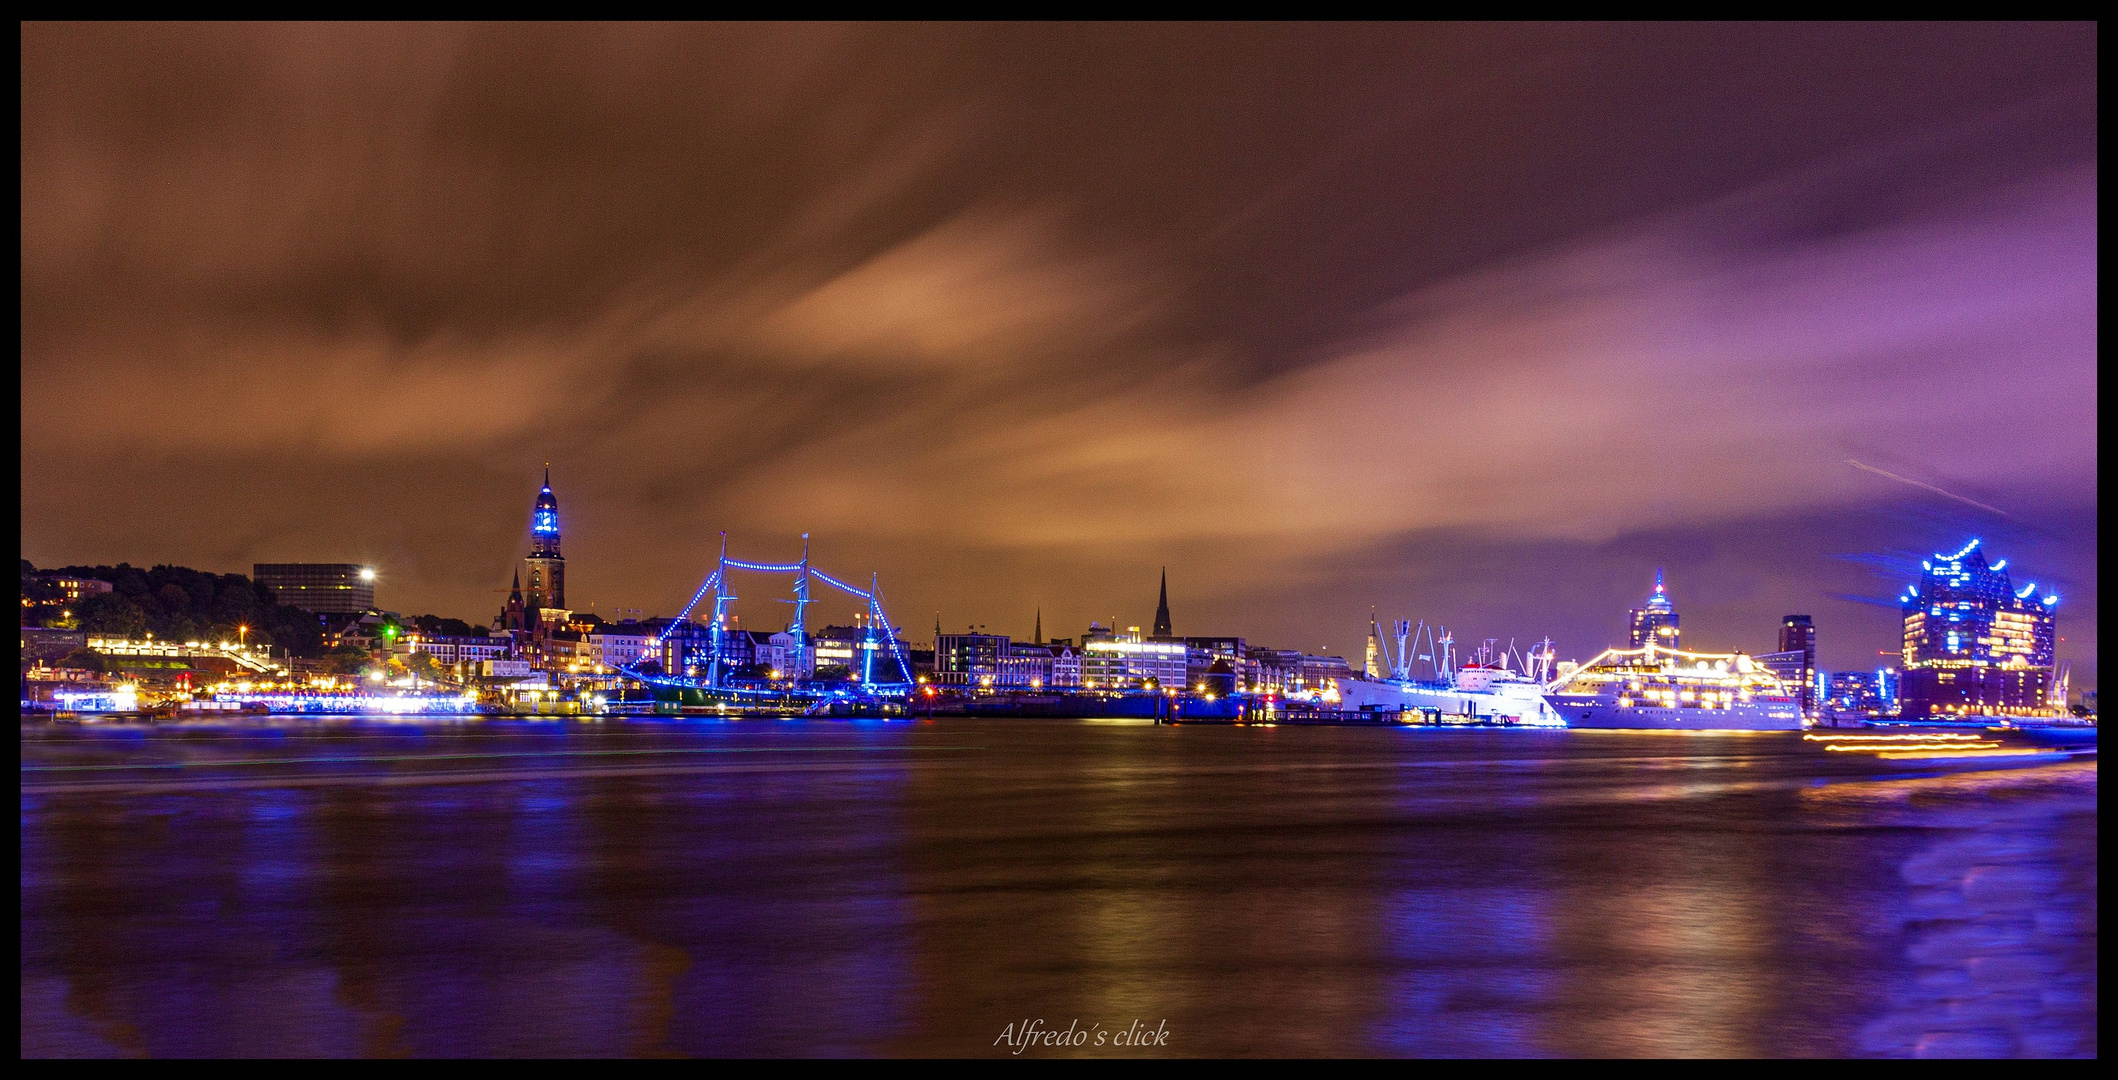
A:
[703,888]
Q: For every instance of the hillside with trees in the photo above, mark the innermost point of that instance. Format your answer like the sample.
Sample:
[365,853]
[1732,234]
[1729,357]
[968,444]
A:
[175,603]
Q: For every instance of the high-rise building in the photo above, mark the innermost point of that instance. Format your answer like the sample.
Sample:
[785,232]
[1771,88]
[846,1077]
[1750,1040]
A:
[1655,623]
[1974,644]
[1789,667]
[1798,635]
[337,588]
[547,568]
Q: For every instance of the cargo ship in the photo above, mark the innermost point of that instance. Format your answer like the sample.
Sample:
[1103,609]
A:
[1491,688]
[1671,689]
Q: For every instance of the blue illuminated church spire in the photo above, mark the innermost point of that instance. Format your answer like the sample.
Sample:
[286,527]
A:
[544,520]
[547,568]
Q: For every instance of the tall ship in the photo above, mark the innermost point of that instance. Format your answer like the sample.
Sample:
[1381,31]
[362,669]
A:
[1672,689]
[1493,686]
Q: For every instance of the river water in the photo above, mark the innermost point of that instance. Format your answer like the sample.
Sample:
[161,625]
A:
[672,888]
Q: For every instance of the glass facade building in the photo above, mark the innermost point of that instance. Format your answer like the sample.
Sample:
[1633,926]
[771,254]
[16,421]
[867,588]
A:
[1654,623]
[1861,695]
[1973,643]
[1798,635]
[968,659]
[336,588]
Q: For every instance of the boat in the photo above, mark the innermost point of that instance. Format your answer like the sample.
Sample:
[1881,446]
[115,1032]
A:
[1492,687]
[1666,689]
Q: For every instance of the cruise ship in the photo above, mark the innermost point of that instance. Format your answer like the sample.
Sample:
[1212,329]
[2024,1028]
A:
[1671,689]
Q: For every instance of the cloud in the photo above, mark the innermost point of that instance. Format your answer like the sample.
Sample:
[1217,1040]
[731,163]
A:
[981,291]
[1651,379]
[1023,312]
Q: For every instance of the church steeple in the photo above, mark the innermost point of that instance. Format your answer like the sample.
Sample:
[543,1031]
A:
[1162,628]
[512,616]
[1039,638]
[547,568]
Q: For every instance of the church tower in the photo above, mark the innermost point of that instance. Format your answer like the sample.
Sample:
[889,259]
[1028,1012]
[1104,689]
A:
[547,568]
[511,616]
[1162,629]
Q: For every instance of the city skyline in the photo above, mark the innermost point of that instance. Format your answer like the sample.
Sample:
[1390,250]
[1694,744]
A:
[1015,339]
[1043,539]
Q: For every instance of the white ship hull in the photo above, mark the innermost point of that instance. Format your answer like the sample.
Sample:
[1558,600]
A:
[1755,716]
[1504,703]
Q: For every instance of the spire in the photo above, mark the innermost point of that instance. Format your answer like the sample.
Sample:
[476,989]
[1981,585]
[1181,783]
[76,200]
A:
[517,590]
[547,475]
[1162,628]
[1658,581]
[1369,666]
[1039,638]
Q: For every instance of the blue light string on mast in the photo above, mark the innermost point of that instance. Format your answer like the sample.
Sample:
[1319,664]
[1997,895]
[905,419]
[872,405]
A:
[713,581]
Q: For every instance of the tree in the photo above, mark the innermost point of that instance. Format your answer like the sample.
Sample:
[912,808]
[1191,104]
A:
[435,625]
[423,664]
[347,659]
[215,604]
[234,601]
[832,673]
[111,615]
[39,590]
[84,659]
[125,577]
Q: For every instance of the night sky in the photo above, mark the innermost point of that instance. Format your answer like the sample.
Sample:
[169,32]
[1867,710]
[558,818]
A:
[1472,324]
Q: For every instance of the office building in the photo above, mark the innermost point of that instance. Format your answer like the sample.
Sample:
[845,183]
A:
[1798,635]
[1860,695]
[1113,659]
[864,651]
[332,588]
[969,659]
